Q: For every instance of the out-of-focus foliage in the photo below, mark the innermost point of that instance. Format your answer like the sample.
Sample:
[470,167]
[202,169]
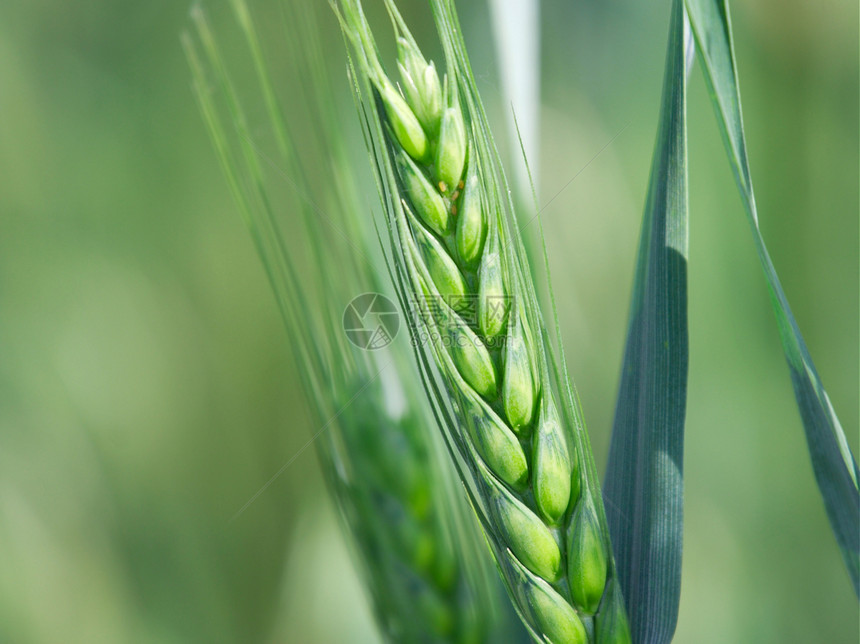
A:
[836,471]
[145,394]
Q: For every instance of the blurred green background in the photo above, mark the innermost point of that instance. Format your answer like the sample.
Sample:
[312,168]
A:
[146,391]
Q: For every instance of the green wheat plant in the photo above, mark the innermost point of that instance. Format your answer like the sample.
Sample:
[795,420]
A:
[427,572]
[510,420]
[502,404]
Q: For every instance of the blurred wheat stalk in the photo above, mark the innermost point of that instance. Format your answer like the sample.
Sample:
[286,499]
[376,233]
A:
[428,575]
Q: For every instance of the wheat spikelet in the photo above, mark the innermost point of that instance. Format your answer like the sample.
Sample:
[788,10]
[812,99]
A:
[462,274]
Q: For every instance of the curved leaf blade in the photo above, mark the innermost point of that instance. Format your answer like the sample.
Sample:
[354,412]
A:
[644,479]
[835,469]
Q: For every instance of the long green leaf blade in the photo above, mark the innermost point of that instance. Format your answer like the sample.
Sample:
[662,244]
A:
[835,468]
[644,480]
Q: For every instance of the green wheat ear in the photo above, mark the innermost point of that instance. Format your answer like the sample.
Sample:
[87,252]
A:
[510,422]
[427,573]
